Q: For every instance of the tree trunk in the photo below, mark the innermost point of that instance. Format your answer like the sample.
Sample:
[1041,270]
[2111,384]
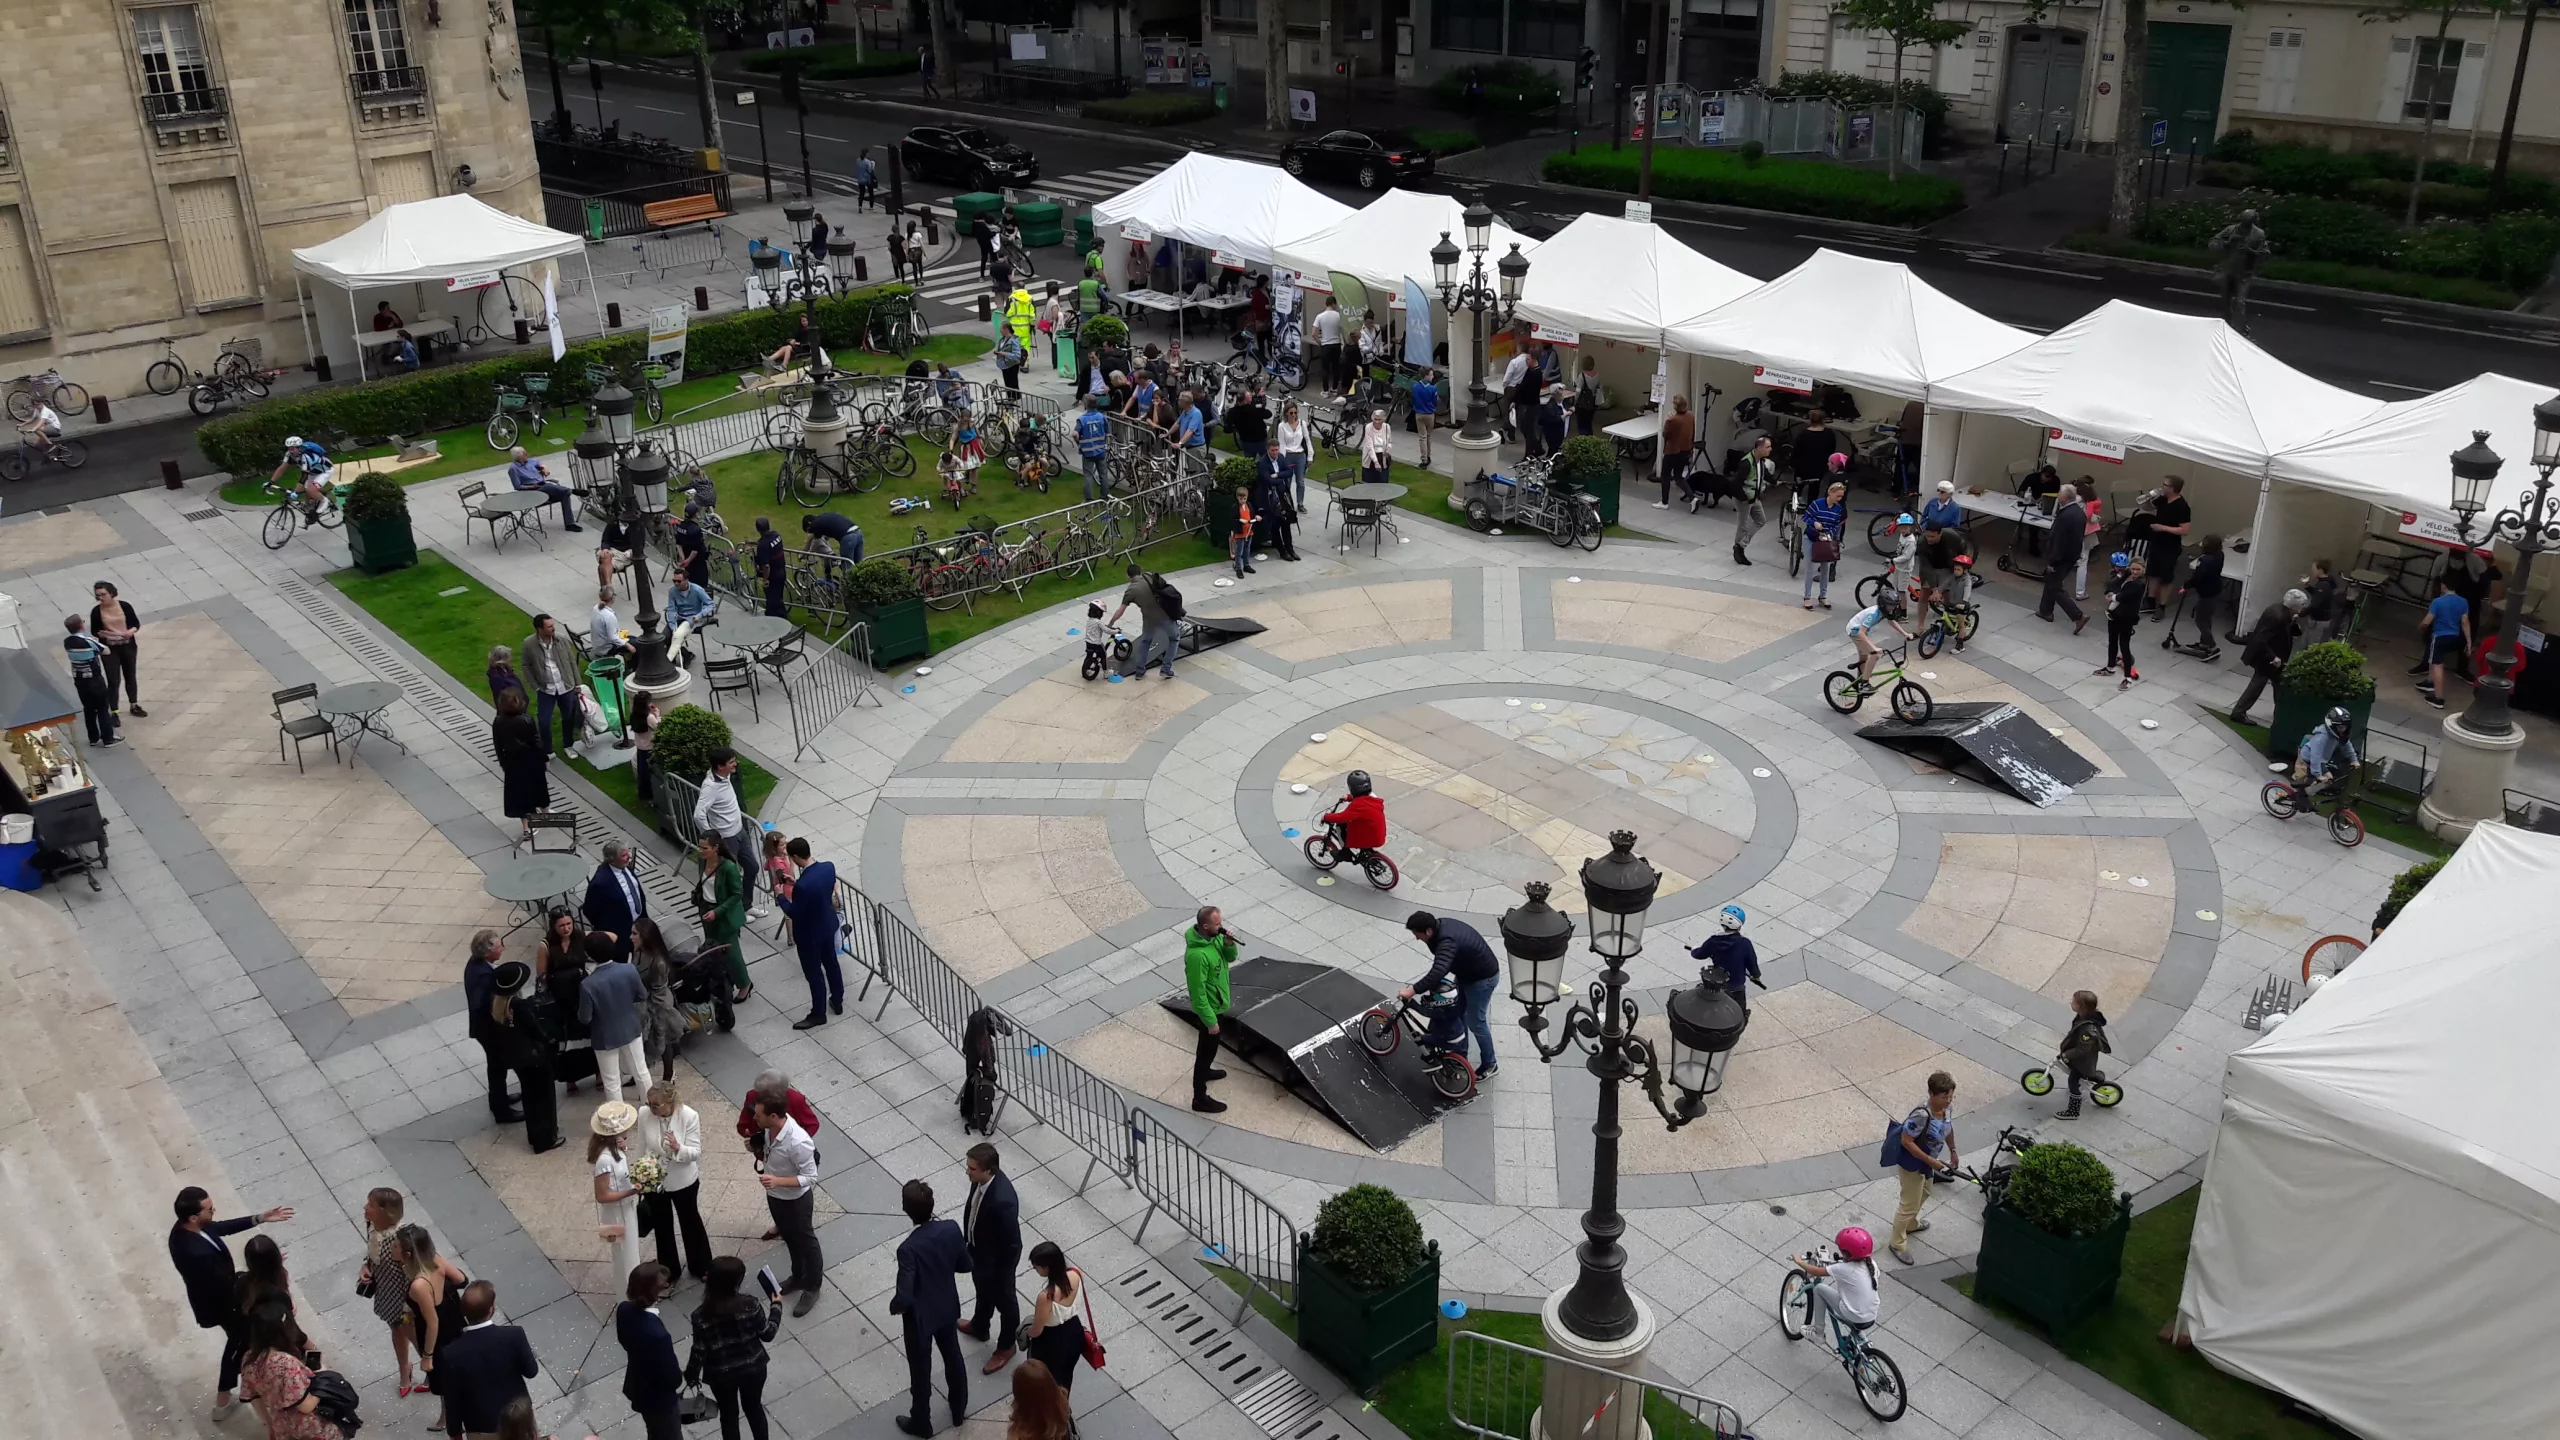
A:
[1893,159]
[1659,23]
[705,98]
[2125,203]
[2427,131]
[1271,19]
[2515,101]
[943,50]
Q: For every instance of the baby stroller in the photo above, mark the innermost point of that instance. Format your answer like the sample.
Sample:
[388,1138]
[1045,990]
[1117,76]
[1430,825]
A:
[701,986]
[980,1090]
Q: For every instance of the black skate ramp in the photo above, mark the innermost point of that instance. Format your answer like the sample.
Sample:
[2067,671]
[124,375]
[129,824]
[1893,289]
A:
[1298,1023]
[1996,744]
[1208,632]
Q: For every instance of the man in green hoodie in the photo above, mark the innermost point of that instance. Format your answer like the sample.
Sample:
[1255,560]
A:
[1207,951]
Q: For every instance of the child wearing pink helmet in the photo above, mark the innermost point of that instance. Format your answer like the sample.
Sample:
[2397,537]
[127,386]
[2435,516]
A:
[1846,1289]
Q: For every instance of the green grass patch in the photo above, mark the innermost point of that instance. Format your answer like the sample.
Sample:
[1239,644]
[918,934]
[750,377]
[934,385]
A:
[2121,1342]
[1795,187]
[455,632]
[1152,110]
[2377,822]
[1446,142]
[837,61]
[2446,289]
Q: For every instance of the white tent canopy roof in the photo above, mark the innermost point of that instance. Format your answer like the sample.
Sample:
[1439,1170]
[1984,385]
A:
[1868,323]
[2399,457]
[1220,204]
[2183,385]
[432,240]
[1625,279]
[1390,238]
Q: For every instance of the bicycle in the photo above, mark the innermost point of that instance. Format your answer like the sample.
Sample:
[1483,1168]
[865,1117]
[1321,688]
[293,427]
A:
[1956,620]
[2326,956]
[2330,797]
[644,386]
[1878,1378]
[211,391]
[1994,1182]
[2040,1082]
[1843,691]
[518,408]
[1382,1030]
[1325,849]
[66,396]
[171,373]
[520,299]
[290,513]
[68,453]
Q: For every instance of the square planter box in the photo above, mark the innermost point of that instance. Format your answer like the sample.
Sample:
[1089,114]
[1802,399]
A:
[1363,1334]
[2054,1280]
[2298,715]
[382,545]
[898,632]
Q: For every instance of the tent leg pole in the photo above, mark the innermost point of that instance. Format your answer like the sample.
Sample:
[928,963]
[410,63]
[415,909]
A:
[595,300]
[302,301]
[353,325]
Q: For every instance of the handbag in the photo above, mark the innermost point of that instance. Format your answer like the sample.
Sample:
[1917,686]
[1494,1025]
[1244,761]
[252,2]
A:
[696,1407]
[1093,1353]
[1826,551]
[364,1285]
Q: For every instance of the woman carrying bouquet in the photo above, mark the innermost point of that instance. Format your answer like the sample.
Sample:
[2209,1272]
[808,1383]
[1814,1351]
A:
[670,1140]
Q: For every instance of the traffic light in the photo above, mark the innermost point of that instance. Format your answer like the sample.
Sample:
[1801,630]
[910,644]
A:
[1584,66]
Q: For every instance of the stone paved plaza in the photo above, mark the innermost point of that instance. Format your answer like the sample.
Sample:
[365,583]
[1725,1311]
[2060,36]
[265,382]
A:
[265,998]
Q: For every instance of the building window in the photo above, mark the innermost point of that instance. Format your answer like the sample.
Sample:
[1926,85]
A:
[1225,12]
[377,39]
[2434,70]
[1546,29]
[1467,25]
[176,73]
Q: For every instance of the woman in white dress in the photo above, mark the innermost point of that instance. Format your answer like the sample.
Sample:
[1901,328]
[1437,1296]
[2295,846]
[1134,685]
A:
[617,1203]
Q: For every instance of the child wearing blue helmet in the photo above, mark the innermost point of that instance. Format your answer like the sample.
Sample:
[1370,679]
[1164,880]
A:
[1729,952]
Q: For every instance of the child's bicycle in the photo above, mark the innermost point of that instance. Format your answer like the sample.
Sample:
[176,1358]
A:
[1103,644]
[1879,1380]
[1994,1181]
[1325,849]
[1383,1029]
[2041,1080]
[1843,691]
[2332,798]
[1949,620]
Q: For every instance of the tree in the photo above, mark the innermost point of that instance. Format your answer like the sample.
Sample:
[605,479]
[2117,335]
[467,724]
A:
[1271,18]
[2126,200]
[1906,23]
[2515,101]
[595,25]
[945,49]
[2427,129]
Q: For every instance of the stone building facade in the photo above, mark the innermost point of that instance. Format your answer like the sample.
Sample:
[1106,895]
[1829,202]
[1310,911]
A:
[159,163]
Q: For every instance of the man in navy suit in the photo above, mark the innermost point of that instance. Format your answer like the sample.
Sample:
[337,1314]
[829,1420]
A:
[614,898]
[652,1378]
[814,932]
[204,1264]
[991,1222]
[930,1261]
[497,1047]
[484,1367]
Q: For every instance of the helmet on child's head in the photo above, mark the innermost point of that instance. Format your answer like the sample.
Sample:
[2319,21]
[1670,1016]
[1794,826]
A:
[1964,562]
[1904,520]
[1855,1243]
[1730,917]
[1837,463]
[1358,780]
[2119,559]
[1889,602]
[2339,721]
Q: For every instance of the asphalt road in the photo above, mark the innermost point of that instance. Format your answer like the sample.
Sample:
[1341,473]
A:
[119,460]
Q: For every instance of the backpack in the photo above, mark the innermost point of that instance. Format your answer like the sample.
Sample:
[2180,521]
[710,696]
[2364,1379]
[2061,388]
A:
[338,1402]
[1168,599]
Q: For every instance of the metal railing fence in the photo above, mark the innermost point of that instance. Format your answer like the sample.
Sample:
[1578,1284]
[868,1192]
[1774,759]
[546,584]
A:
[1495,1387]
[828,681]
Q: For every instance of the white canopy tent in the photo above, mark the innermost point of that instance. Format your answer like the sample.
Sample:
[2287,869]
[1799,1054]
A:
[1626,279]
[445,238]
[2134,388]
[1390,238]
[1235,206]
[2380,1223]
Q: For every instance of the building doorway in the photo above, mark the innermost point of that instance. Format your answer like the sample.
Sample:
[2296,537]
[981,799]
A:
[2040,90]
[2183,83]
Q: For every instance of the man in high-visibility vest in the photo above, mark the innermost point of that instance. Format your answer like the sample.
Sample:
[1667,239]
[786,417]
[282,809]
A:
[1020,312]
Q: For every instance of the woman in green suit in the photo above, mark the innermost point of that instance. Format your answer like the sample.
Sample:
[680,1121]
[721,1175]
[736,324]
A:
[721,897]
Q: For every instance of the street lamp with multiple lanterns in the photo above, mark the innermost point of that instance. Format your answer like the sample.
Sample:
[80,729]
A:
[1478,297]
[633,475]
[1705,1024]
[2531,528]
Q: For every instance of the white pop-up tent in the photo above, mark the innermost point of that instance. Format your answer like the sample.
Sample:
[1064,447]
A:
[1626,279]
[448,238]
[1390,238]
[1233,206]
[2379,1233]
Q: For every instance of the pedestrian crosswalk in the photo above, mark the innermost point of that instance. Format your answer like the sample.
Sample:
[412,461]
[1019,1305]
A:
[957,283]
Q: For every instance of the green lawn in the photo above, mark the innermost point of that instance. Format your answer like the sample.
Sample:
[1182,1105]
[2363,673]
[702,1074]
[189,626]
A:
[456,631]
[2122,1341]
[2377,822]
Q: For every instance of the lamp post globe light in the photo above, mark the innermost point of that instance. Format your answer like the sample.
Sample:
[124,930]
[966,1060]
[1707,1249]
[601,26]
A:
[1478,296]
[644,499]
[2482,741]
[614,404]
[1597,1319]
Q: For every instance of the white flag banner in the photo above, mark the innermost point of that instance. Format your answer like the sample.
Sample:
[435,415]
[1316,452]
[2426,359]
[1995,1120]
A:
[551,314]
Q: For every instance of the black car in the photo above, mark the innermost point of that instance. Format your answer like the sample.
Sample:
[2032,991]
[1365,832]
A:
[966,155]
[1370,159]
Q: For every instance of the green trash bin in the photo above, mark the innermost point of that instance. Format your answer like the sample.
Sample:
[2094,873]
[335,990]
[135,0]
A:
[1218,94]
[1043,222]
[1604,488]
[967,208]
[595,219]
[605,674]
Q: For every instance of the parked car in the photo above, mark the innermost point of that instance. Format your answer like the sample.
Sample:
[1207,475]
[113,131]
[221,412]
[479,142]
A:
[1370,159]
[966,155]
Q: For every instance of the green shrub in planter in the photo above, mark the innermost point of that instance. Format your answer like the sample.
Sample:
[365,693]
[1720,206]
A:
[2404,888]
[2054,1246]
[883,594]
[1368,1286]
[2317,677]
[378,533]
[1102,332]
[1593,463]
[686,736]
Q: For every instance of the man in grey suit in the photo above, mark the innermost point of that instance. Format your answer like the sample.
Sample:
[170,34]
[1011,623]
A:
[930,1262]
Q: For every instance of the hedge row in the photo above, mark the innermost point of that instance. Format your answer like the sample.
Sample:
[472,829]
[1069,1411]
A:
[1796,187]
[2513,251]
[2313,272]
[1845,89]
[834,62]
[1151,110]
[2379,178]
[1502,87]
[247,441]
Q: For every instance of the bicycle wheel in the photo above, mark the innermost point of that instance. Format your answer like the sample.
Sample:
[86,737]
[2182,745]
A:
[811,480]
[2281,800]
[1567,520]
[70,396]
[1792,1305]
[1588,525]
[1840,691]
[2107,1093]
[1795,558]
[251,383]
[2038,1081]
[896,460]
[1868,589]
[1092,663]
[2327,956]
[205,399]
[232,365]
[2346,827]
[1911,704]
[1452,1076]
[1320,851]
[652,403]
[1932,640]
[22,404]
[167,376]
[1379,1033]
[1880,1386]
[279,526]
[501,432]
[1880,537]
[70,454]
[13,465]
[517,299]
[1381,871]
[1965,620]
[944,586]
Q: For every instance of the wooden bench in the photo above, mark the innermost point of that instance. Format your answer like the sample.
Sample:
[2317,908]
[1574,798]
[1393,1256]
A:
[683,210]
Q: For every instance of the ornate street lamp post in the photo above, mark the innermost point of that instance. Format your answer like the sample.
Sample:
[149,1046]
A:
[1597,1319]
[1480,299]
[644,498]
[2480,756]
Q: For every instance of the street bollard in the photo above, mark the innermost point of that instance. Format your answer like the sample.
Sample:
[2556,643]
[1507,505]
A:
[98,409]
[861,270]
[701,299]
[984,314]
[320,368]
[2000,178]
[613,314]
[524,331]
[169,476]
[932,229]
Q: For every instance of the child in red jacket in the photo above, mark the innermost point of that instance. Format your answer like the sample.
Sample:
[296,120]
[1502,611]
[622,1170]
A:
[1363,816]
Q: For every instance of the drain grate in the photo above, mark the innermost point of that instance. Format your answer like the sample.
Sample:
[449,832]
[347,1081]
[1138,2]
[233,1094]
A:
[1284,1407]
[1277,1402]
[208,513]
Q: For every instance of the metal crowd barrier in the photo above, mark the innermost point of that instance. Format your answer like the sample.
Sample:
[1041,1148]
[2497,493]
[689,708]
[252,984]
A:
[1495,1387]
[832,679]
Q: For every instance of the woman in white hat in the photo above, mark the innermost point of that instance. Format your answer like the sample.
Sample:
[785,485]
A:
[617,1202]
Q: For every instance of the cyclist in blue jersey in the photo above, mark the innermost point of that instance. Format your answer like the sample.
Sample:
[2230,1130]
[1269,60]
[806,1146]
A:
[1093,444]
